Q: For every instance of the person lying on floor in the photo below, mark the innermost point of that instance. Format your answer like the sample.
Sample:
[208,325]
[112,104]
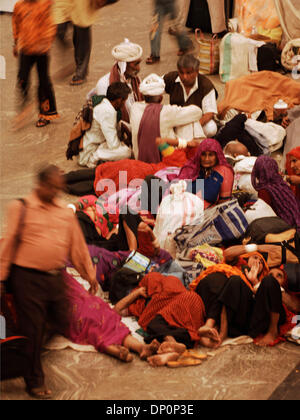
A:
[101,141]
[209,165]
[169,313]
[245,300]
[113,230]
[92,321]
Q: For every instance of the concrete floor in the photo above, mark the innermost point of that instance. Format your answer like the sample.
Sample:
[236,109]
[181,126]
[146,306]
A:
[234,373]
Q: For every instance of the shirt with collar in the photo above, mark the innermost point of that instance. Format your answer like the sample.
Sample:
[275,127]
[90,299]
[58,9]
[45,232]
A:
[47,236]
[209,102]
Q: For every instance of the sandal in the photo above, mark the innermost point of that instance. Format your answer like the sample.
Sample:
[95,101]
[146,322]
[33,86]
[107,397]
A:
[184,362]
[152,59]
[194,354]
[42,122]
[40,393]
[76,80]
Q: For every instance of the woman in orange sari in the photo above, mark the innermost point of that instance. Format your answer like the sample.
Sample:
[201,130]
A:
[244,299]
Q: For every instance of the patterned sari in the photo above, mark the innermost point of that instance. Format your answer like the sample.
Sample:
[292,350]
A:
[92,321]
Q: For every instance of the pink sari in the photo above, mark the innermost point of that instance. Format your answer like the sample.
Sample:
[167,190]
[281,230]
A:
[92,320]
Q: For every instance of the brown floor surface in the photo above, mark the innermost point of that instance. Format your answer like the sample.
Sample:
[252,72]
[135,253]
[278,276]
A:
[242,372]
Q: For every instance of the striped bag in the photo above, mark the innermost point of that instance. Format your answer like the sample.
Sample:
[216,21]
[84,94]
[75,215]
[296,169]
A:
[222,224]
[209,55]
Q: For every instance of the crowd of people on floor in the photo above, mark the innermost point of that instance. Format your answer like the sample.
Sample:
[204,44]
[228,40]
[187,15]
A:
[169,197]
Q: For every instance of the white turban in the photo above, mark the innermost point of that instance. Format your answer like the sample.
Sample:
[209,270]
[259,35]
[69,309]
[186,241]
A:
[152,85]
[127,51]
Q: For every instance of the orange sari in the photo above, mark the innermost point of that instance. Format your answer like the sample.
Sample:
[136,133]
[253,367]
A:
[230,270]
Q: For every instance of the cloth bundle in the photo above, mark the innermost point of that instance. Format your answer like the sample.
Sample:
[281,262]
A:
[238,56]
[269,135]
[290,54]
[207,255]
[260,14]
[259,209]
[242,170]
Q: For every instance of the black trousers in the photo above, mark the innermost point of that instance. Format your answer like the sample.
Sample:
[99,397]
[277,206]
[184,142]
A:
[46,97]
[246,314]
[158,329]
[39,298]
[80,182]
[267,299]
[82,41]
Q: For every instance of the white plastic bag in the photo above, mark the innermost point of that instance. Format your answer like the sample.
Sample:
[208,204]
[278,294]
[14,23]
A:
[177,209]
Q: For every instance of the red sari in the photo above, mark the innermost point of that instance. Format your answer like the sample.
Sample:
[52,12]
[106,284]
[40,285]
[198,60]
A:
[293,153]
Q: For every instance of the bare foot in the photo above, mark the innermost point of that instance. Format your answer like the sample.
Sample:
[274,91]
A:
[266,340]
[120,352]
[169,347]
[208,342]
[211,334]
[149,349]
[162,359]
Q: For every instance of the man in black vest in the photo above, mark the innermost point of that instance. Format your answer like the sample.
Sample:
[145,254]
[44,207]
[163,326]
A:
[187,87]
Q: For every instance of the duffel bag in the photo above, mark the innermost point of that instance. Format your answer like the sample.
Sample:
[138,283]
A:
[222,224]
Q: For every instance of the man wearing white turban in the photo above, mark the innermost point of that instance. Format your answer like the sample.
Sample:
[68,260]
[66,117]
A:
[128,58]
[151,120]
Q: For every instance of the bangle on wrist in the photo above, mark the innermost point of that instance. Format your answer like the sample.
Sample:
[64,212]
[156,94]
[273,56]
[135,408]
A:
[182,143]
[251,248]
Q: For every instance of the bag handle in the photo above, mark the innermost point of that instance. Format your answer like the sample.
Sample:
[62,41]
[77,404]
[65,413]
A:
[199,35]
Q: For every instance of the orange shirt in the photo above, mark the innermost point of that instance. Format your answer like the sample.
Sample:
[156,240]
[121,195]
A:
[33,26]
[50,235]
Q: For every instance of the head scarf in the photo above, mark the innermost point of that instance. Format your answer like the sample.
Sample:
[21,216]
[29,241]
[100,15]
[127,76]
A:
[127,51]
[230,270]
[124,53]
[243,260]
[265,176]
[293,153]
[152,85]
[192,169]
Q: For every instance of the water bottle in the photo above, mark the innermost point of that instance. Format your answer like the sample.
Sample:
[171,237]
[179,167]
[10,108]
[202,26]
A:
[279,111]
